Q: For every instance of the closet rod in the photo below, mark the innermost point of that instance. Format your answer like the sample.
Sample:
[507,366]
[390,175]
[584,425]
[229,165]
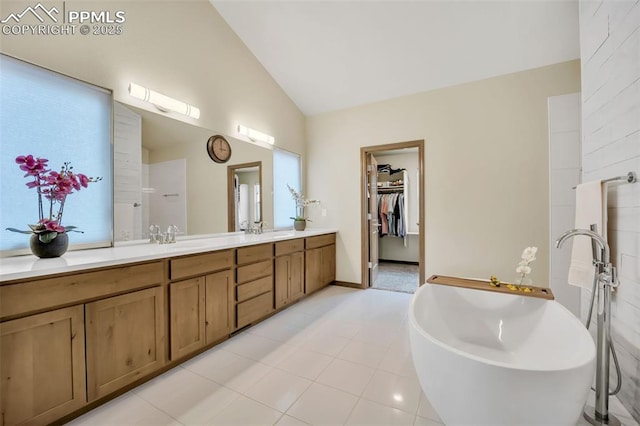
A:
[628,178]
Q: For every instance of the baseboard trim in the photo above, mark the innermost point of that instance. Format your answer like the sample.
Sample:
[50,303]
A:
[406,262]
[347,284]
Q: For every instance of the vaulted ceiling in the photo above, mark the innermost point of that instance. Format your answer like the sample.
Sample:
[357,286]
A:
[330,55]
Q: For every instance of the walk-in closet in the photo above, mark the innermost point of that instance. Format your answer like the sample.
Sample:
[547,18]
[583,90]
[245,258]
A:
[397,202]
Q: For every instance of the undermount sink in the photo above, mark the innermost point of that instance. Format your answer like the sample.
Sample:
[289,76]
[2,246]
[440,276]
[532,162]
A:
[280,234]
[235,237]
[188,244]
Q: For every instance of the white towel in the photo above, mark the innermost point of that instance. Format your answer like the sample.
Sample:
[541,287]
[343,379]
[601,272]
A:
[591,208]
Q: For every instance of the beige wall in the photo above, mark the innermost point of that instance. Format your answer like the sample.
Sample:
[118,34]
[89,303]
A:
[486,165]
[183,49]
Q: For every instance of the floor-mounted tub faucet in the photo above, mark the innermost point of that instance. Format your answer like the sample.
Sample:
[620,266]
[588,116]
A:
[608,274]
[606,280]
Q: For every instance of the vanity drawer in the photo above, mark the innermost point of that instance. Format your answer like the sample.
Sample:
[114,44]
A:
[254,253]
[320,241]
[254,309]
[49,293]
[255,271]
[290,246]
[200,264]
[254,288]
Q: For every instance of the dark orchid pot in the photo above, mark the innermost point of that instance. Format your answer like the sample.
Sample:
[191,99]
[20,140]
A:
[54,248]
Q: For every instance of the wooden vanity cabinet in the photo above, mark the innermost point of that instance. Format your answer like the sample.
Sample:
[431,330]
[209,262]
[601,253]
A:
[201,312]
[320,262]
[201,308]
[289,272]
[69,339]
[187,324]
[125,340]
[219,306]
[43,366]
[329,263]
[254,289]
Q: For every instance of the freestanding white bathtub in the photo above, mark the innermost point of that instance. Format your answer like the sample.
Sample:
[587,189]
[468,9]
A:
[486,358]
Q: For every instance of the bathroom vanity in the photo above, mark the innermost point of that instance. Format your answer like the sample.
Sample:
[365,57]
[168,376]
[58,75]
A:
[79,330]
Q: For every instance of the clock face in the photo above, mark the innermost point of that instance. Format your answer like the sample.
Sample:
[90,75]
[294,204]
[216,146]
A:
[218,149]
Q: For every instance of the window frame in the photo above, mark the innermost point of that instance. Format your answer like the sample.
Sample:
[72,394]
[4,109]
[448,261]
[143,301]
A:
[107,180]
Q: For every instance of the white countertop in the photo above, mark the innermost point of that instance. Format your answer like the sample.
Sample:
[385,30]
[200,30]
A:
[29,266]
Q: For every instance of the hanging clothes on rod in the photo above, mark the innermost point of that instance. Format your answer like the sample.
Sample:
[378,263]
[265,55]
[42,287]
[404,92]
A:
[391,215]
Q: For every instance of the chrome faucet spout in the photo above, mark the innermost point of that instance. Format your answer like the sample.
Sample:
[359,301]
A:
[606,258]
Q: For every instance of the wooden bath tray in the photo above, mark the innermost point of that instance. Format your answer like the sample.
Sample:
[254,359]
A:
[539,292]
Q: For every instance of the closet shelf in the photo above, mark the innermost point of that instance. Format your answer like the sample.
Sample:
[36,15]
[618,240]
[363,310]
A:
[391,188]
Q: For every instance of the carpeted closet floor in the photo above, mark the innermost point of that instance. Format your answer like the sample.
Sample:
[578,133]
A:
[401,277]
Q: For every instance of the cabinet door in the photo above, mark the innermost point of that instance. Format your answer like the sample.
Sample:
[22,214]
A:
[125,340]
[328,264]
[313,270]
[282,280]
[43,368]
[220,305]
[186,301]
[296,276]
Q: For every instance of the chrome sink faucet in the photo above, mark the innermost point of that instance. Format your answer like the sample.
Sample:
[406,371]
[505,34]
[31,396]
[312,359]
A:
[154,234]
[256,228]
[157,237]
[170,236]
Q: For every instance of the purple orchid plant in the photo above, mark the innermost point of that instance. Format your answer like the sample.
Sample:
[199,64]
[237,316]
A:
[52,186]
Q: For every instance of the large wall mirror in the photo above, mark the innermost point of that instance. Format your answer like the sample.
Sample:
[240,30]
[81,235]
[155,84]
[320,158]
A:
[164,176]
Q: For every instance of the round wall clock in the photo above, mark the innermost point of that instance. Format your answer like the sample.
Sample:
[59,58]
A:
[218,149]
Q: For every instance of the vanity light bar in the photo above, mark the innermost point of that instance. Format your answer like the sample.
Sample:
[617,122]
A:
[162,102]
[255,135]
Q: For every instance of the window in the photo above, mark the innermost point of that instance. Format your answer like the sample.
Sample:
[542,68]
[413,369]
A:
[286,171]
[53,116]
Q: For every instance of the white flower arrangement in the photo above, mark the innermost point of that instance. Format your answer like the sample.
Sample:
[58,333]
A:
[301,203]
[528,256]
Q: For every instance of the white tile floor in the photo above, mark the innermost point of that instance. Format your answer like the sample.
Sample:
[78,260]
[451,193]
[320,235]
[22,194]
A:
[339,357]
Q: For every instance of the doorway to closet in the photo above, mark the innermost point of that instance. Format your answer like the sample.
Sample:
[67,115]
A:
[244,195]
[392,206]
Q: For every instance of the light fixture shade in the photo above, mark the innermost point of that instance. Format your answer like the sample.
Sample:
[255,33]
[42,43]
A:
[162,102]
[255,135]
